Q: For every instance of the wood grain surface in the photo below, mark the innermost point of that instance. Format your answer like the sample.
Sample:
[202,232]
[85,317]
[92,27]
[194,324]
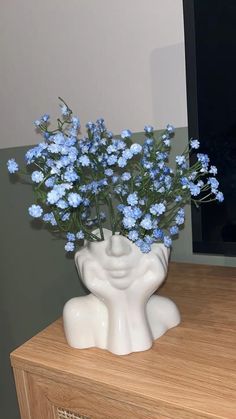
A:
[190,372]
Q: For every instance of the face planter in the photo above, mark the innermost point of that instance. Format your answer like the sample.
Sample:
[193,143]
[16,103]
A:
[120,314]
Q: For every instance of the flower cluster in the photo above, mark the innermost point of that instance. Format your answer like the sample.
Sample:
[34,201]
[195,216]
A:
[81,182]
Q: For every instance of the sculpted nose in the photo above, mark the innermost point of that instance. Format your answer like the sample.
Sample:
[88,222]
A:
[118,246]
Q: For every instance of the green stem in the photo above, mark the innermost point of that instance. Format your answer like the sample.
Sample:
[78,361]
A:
[99,218]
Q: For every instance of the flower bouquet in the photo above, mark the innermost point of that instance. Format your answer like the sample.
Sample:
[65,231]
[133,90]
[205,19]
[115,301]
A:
[82,183]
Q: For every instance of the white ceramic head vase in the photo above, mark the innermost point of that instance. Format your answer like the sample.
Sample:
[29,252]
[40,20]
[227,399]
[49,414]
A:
[120,314]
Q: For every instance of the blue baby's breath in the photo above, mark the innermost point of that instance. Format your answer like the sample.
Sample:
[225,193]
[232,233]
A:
[194,144]
[70,247]
[167,241]
[158,209]
[146,222]
[37,176]
[35,211]
[148,129]
[220,196]
[12,166]
[174,230]
[135,148]
[49,218]
[70,237]
[80,235]
[122,162]
[132,199]
[133,235]
[126,133]
[74,199]
[81,181]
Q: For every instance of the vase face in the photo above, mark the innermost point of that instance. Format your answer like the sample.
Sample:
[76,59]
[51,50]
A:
[120,314]
[115,259]
[120,262]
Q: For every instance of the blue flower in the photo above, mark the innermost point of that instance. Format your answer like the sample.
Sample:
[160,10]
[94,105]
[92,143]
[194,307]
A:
[90,126]
[62,204]
[54,148]
[69,246]
[119,144]
[86,202]
[148,129]
[76,122]
[112,159]
[111,148]
[132,199]
[122,162]
[12,166]
[126,176]
[179,219]
[166,140]
[143,246]
[133,235]
[53,196]
[65,110]
[70,142]
[170,129]
[194,144]
[128,222]
[137,212]
[213,170]
[167,241]
[84,161]
[37,123]
[57,192]
[194,189]
[50,182]
[58,139]
[204,160]
[135,148]
[220,196]
[70,175]
[214,183]
[184,182]
[158,234]
[74,199]
[158,209]
[146,222]
[80,235]
[181,161]
[73,154]
[35,211]
[49,218]
[65,216]
[131,211]
[108,172]
[37,176]
[70,237]
[174,230]
[126,133]
[127,154]
[45,117]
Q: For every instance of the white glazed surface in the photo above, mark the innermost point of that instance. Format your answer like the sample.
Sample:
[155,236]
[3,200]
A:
[120,314]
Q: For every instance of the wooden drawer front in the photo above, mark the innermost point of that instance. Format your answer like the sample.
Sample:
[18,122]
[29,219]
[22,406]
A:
[53,400]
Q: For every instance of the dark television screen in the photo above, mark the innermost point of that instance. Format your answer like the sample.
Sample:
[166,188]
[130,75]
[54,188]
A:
[210,40]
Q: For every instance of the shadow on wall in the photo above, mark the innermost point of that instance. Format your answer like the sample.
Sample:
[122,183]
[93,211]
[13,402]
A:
[169,86]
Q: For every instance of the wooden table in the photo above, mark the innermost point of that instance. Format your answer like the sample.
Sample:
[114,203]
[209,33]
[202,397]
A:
[189,373]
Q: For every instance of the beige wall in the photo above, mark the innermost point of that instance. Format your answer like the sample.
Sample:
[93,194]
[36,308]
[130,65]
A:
[123,60]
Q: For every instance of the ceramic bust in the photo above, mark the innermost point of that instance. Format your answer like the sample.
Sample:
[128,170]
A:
[120,314]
